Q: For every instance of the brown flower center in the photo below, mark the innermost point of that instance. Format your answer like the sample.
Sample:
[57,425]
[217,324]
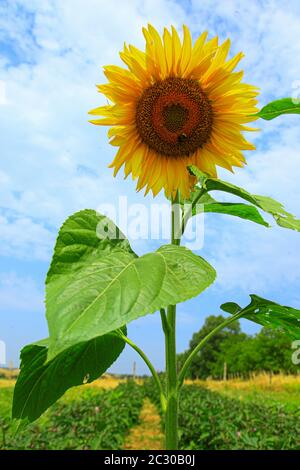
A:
[174,117]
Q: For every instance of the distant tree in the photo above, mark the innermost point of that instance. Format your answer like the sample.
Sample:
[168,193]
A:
[238,353]
[204,362]
[275,351]
[269,350]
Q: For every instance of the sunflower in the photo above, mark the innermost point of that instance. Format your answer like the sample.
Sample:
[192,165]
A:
[176,104]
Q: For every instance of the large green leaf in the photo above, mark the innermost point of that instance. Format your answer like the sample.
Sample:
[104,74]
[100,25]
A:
[94,287]
[208,204]
[244,211]
[278,107]
[268,313]
[267,204]
[41,383]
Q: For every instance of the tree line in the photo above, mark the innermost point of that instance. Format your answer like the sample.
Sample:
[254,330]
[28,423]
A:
[233,352]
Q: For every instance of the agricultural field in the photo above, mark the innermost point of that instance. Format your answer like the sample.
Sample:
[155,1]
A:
[85,418]
[118,414]
[253,414]
[275,389]
[210,420]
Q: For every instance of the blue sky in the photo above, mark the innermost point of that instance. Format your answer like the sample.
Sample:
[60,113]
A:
[54,163]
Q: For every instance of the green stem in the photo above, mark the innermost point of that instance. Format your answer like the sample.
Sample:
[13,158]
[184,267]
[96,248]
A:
[171,417]
[200,345]
[189,212]
[172,396]
[157,381]
[164,321]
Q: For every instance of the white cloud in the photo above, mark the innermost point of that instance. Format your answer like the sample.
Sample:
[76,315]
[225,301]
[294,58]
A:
[266,31]
[19,294]
[3,99]
[255,259]
[22,237]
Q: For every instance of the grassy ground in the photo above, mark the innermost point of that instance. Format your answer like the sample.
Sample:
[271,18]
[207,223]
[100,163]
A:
[6,394]
[8,377]
[4,383]
[147,435]
[276,389]
[106,382]
[8,373]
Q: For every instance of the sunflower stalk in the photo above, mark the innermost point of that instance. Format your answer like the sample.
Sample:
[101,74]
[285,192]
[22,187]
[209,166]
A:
[171,416]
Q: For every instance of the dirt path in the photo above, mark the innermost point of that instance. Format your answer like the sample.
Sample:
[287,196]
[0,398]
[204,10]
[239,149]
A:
[147,435]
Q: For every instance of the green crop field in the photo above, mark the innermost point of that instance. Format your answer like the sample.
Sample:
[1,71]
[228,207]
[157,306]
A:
[210,420]
[92,418]
[217,420]
[83,419]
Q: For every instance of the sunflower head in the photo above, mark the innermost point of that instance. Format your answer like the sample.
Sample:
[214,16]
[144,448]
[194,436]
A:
[176,104]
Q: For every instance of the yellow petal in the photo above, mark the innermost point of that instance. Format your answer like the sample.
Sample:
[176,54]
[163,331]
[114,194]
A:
[206,164]
[121,77]
[123,155]
[140,56]
[232,63]
[199,70]
[159,50]
[211,46]
[168,50]
[176,50]
[117,94]
[135,67]
[137,160]
[198,46]
[197,54]
[152,67]
[186,51]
